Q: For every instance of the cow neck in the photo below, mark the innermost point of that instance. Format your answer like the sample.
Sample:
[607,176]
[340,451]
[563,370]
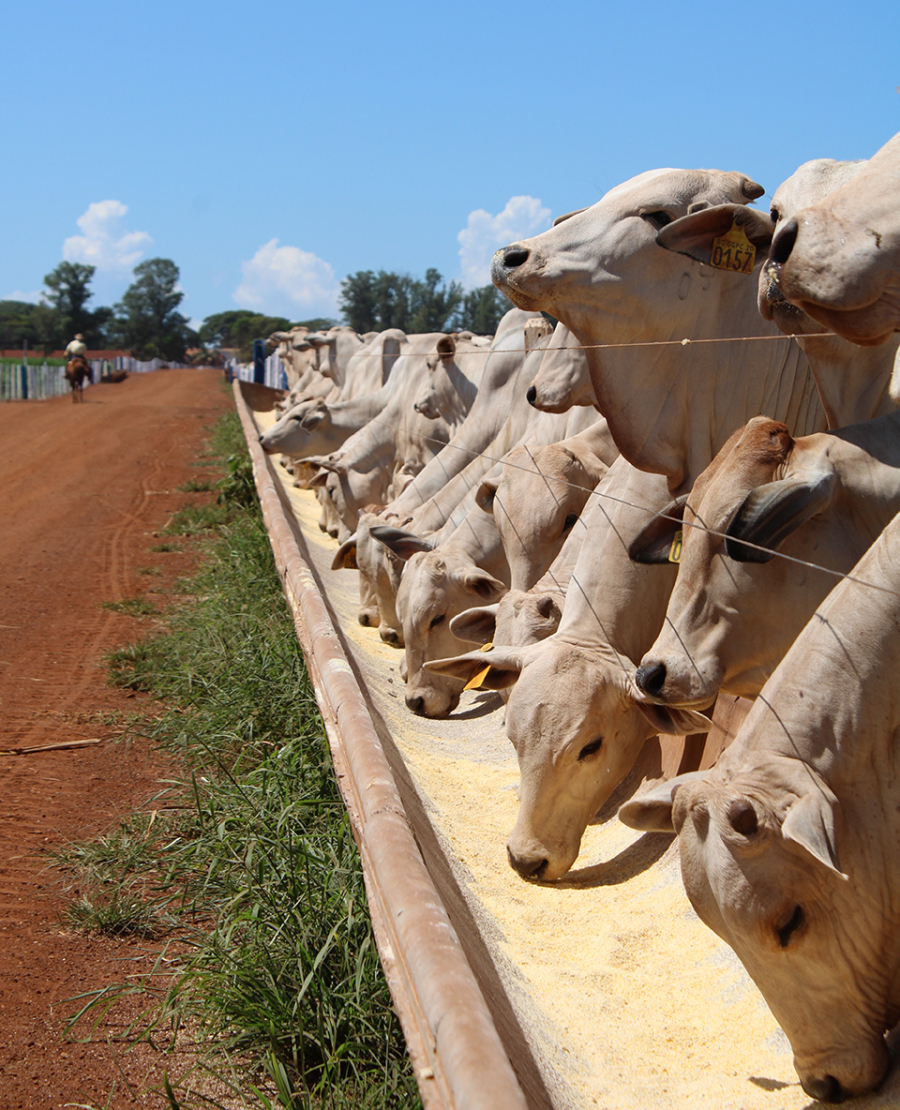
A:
[613,605]
[671,408]
[852,381]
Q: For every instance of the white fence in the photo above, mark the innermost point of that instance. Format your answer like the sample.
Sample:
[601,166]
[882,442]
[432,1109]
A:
[32,382]
[275,373]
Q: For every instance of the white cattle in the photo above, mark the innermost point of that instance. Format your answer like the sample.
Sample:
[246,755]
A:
[670,406]
[573,715]
[562,381]
[455,372]
[500,413]
[789,845]
[852,381]
[539,494]
[335,348]
[839,259]
[443,576]
[735,610]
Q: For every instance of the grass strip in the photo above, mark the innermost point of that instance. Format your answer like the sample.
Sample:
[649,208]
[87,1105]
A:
[245,862]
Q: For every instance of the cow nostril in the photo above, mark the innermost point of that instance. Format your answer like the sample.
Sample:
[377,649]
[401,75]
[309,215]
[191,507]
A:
[417,705]
[651,678]
[388,635]
[783,243]
[515,256]
[531,395]
[825,1089]
[528,867]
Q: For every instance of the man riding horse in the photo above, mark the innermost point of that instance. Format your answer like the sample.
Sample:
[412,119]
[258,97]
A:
[77,368]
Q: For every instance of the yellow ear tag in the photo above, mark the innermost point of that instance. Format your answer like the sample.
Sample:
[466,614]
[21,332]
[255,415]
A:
[733,251]
[675,549]
[477,679]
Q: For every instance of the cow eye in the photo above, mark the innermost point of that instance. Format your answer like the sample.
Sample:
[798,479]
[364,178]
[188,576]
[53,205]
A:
[569,522]
[787,930]
[775,214]
[438,620]
[657,219]
[590,749]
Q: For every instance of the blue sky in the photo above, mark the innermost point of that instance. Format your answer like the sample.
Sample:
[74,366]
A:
[270,149]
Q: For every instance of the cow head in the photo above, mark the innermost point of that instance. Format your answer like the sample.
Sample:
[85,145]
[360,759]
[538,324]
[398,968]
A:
[839,259]
[536,500]
[435,587]
[577,729]
[735,609]
[606,257]
[760,863]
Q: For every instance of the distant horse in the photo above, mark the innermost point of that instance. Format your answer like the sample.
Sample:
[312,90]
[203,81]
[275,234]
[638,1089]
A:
[77,370]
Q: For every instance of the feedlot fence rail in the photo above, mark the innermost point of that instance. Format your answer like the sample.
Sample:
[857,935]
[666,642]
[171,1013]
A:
[37,382]
[275,375]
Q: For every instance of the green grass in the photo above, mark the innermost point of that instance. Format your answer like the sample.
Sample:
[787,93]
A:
[132,607]
[194,485]
[245,860]
[166,547]
[151,571]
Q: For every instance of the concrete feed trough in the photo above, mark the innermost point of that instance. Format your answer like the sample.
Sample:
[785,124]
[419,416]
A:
[601,990]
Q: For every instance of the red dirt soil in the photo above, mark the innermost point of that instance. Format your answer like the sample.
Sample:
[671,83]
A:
[84,490]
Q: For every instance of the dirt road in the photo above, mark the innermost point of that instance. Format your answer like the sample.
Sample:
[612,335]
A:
[83,489]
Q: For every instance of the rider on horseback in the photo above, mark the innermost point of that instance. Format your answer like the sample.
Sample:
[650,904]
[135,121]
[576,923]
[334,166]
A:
[77,348]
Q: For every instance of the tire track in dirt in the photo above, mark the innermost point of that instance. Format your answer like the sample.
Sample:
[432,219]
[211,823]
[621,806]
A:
[78,516]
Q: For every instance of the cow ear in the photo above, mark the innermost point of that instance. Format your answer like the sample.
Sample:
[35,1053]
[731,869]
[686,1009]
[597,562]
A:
[484,498]
[403,544]
[568,215]
[345,558]
[770,513]
[313,418]
[672,721]
[811,822]
[487,587]
[654,543]
[446,348]
[693,234]
[318,479]
[502,667]
[477,626]
[652,812]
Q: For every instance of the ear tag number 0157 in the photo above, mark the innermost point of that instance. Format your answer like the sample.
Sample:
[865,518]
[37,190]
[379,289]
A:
[675,549]
[733,251]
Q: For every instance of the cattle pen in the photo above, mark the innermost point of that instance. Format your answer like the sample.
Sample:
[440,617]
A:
[601,990]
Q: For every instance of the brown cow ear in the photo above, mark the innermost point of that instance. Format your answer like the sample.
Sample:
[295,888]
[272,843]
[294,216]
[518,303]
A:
[484,498]
[693,234]
[770,513]
[446,347]
[403,544]
[487,587]
[653,544]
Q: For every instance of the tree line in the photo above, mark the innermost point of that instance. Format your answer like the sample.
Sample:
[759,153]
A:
[146,321]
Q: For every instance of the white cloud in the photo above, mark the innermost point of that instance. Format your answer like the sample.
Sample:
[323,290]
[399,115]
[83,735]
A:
[280,280]
[521,218]
[29,298]
[105,243]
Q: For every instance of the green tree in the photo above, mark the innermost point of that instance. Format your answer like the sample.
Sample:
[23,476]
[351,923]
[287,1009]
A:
[481,310]
[373,302]
[147,320]
[66,298]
